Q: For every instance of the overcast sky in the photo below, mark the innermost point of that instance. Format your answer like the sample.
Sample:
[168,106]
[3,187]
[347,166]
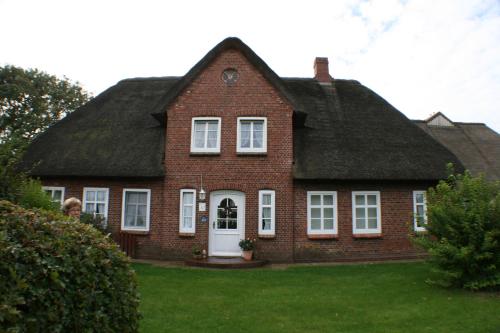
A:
[423,56]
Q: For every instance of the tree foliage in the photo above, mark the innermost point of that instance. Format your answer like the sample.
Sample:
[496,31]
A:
[30,102]
[463,232]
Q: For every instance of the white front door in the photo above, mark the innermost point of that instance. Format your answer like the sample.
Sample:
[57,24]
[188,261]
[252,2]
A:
[227,223]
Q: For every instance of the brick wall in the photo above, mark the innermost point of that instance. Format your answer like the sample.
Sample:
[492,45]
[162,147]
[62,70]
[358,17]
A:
[396,201]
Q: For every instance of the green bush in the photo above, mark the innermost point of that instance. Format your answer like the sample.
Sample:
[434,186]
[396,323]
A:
[96,221]
[463,232]
[58,275]
[31,195]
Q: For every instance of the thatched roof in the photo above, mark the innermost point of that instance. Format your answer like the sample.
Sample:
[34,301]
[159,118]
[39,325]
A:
[476,145]
[341,131]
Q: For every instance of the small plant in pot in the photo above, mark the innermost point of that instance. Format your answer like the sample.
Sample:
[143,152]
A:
[247,245]
[197,252]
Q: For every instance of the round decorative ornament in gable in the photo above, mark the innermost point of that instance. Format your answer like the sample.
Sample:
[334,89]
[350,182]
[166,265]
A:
[230,76]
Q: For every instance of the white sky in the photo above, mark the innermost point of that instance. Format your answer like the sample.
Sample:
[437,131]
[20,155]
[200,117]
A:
[422,56]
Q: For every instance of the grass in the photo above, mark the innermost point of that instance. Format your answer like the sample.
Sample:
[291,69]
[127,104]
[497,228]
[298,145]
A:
[348,298]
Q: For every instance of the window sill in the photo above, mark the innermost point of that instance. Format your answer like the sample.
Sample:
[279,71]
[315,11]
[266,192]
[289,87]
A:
[251,153]
[186,234]
[322,236]
[264,236]
[134,232]
[204,153]
[367,236]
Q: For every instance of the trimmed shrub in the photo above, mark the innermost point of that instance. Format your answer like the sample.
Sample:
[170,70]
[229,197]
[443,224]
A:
[59,275]
[463,232]
[96,221]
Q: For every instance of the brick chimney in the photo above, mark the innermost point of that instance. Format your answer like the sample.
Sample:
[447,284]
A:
[321,72]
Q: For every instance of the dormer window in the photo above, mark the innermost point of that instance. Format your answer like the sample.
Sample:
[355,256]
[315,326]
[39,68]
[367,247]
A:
[252,135]
[205,135]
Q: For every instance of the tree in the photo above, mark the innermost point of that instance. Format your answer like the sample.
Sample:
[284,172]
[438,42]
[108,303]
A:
[463,232]
[30,102]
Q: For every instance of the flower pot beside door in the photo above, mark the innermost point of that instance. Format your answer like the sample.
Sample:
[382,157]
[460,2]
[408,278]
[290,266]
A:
[247,245]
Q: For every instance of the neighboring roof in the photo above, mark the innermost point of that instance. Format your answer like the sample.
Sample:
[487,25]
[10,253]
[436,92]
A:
[111,136]
[475,144]
[341,131]
[352,133]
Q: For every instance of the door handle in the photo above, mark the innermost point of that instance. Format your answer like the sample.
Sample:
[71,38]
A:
[213,224]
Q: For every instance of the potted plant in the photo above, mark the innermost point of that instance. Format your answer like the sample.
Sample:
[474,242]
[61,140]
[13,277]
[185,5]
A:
[197,253]
[247,245]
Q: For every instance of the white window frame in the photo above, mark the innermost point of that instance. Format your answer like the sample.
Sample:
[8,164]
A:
[148,208]
[52,189]
[215,150]
[322,231]
[415,224]
[378,230]
[272,231]
[252,150]
[106,202]
[191,230]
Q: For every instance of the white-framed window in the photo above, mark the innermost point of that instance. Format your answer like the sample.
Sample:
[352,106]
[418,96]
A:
[135,209]
[252,135]
[55,192]
[205,135]
[322,212]
[187,213]
[366,217]
[267,212]
[95,201]
[419,210]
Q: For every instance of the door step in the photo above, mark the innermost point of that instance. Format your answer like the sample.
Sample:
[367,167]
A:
[225,262]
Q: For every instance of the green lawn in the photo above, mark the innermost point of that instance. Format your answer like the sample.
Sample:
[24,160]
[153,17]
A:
[348,298]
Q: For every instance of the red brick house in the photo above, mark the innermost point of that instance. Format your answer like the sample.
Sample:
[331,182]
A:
[314,168]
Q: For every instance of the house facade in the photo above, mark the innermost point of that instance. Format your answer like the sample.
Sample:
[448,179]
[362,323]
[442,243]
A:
[315,169]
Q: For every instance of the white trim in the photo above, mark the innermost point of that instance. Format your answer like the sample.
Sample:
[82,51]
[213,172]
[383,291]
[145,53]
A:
[272,231]
[322,231]
[366,230]
[205,150]
[52,189]
[415,225]
[148,208]
[191,230]
[106,201]
[251,150]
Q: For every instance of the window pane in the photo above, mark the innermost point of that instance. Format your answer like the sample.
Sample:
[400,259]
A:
[245,126]
[142,198]
[266,212]
[232,224]
[315,213]
[315,224]
[372,199]
[328,213]
[130,210]
[131,197]
[372,223]
[100,208]
[420,210]
[419,198]
[360,200]
[101,196]
[328,224]
[187,198]
[328,200]
[360,212]
[360,224]
[245,139]
[257,139]
[199,125]
[266,199]
[90,196]
[258,125]
[188,222]
[89,208]
[141,211]
[199,139]
[372,212]
[221,224]
[266,224]
[315,199]
[141,221]
[57,194]
[129,220]
[212,139]
[188,211]
[213,125]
